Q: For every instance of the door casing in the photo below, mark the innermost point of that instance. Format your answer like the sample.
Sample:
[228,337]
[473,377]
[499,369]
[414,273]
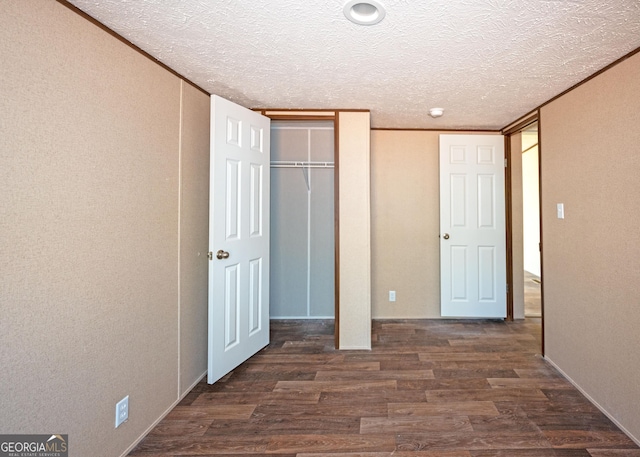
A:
[508,132]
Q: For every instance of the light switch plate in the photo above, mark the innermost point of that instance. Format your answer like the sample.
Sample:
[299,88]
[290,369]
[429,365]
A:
[560,208]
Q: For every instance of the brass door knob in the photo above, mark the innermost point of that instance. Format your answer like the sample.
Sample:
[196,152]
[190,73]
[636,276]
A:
[222,254]
[446,236]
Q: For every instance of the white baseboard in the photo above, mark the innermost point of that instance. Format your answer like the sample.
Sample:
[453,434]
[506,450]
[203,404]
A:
[595,403]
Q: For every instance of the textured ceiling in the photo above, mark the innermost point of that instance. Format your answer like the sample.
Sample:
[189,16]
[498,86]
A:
[486,62]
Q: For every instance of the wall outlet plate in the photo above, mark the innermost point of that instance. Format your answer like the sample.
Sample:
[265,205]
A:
[122,411]
[392,295]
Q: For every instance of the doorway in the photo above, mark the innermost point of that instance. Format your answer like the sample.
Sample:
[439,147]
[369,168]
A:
[531,222]
[521,139]
[302,248]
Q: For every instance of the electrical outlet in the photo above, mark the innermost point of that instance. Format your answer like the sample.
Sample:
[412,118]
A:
[122,411]
[392,295]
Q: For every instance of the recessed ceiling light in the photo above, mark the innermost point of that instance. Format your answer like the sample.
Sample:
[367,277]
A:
[367,12]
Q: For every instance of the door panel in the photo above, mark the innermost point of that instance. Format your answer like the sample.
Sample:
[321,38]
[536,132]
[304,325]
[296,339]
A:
[257,204]
[486,201]
[232,203]
[232,305]
[255,296]
[239,231]
[458,200]
[459,273]
[486,274]
[472,226]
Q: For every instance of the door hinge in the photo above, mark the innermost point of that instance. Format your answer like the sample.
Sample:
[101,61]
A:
[210,255]
[507,287]
[505,162]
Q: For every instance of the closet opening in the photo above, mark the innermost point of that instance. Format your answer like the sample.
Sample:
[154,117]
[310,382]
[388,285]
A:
[302,265]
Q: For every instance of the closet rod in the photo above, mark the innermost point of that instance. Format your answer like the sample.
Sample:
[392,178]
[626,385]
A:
[298,164]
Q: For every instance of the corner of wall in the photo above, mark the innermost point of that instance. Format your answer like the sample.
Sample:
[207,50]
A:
[355,230]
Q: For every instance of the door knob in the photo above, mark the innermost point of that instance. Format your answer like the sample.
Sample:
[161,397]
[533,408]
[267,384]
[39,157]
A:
[222,254]
[446,236]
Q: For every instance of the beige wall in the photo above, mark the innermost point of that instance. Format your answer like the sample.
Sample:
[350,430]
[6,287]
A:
[591,259]
[355,230]
[517,227]
[194,234]
[405,223]
[100,231]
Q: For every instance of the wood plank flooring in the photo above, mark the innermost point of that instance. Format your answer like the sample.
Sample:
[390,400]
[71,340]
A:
[532,295]
[428,388]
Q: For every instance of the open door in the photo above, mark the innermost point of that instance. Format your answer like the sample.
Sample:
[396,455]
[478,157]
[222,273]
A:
[472,226]
[238,236]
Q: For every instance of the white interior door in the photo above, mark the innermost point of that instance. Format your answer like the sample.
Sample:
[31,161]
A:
[238,236]
[473,273]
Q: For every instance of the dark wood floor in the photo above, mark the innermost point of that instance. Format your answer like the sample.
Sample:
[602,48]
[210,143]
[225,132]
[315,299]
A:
[532,295]
[426,389]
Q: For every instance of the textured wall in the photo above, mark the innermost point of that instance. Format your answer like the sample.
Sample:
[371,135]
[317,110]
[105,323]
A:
[355,230]
[590,162]
[89,177]
[194,234]
[517,227]
[405,223]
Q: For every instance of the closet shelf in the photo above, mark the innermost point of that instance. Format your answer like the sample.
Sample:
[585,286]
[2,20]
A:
[299,164]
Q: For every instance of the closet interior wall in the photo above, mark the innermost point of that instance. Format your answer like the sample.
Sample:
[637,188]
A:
[302,266]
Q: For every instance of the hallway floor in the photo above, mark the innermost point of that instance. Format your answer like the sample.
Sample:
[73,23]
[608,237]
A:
[428,388]
[532,295]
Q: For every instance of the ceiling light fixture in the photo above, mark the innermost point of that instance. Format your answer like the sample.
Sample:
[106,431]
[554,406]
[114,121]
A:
[436,112]
[367,12]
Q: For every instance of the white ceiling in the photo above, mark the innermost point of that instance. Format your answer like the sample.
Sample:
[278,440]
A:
[486,62]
